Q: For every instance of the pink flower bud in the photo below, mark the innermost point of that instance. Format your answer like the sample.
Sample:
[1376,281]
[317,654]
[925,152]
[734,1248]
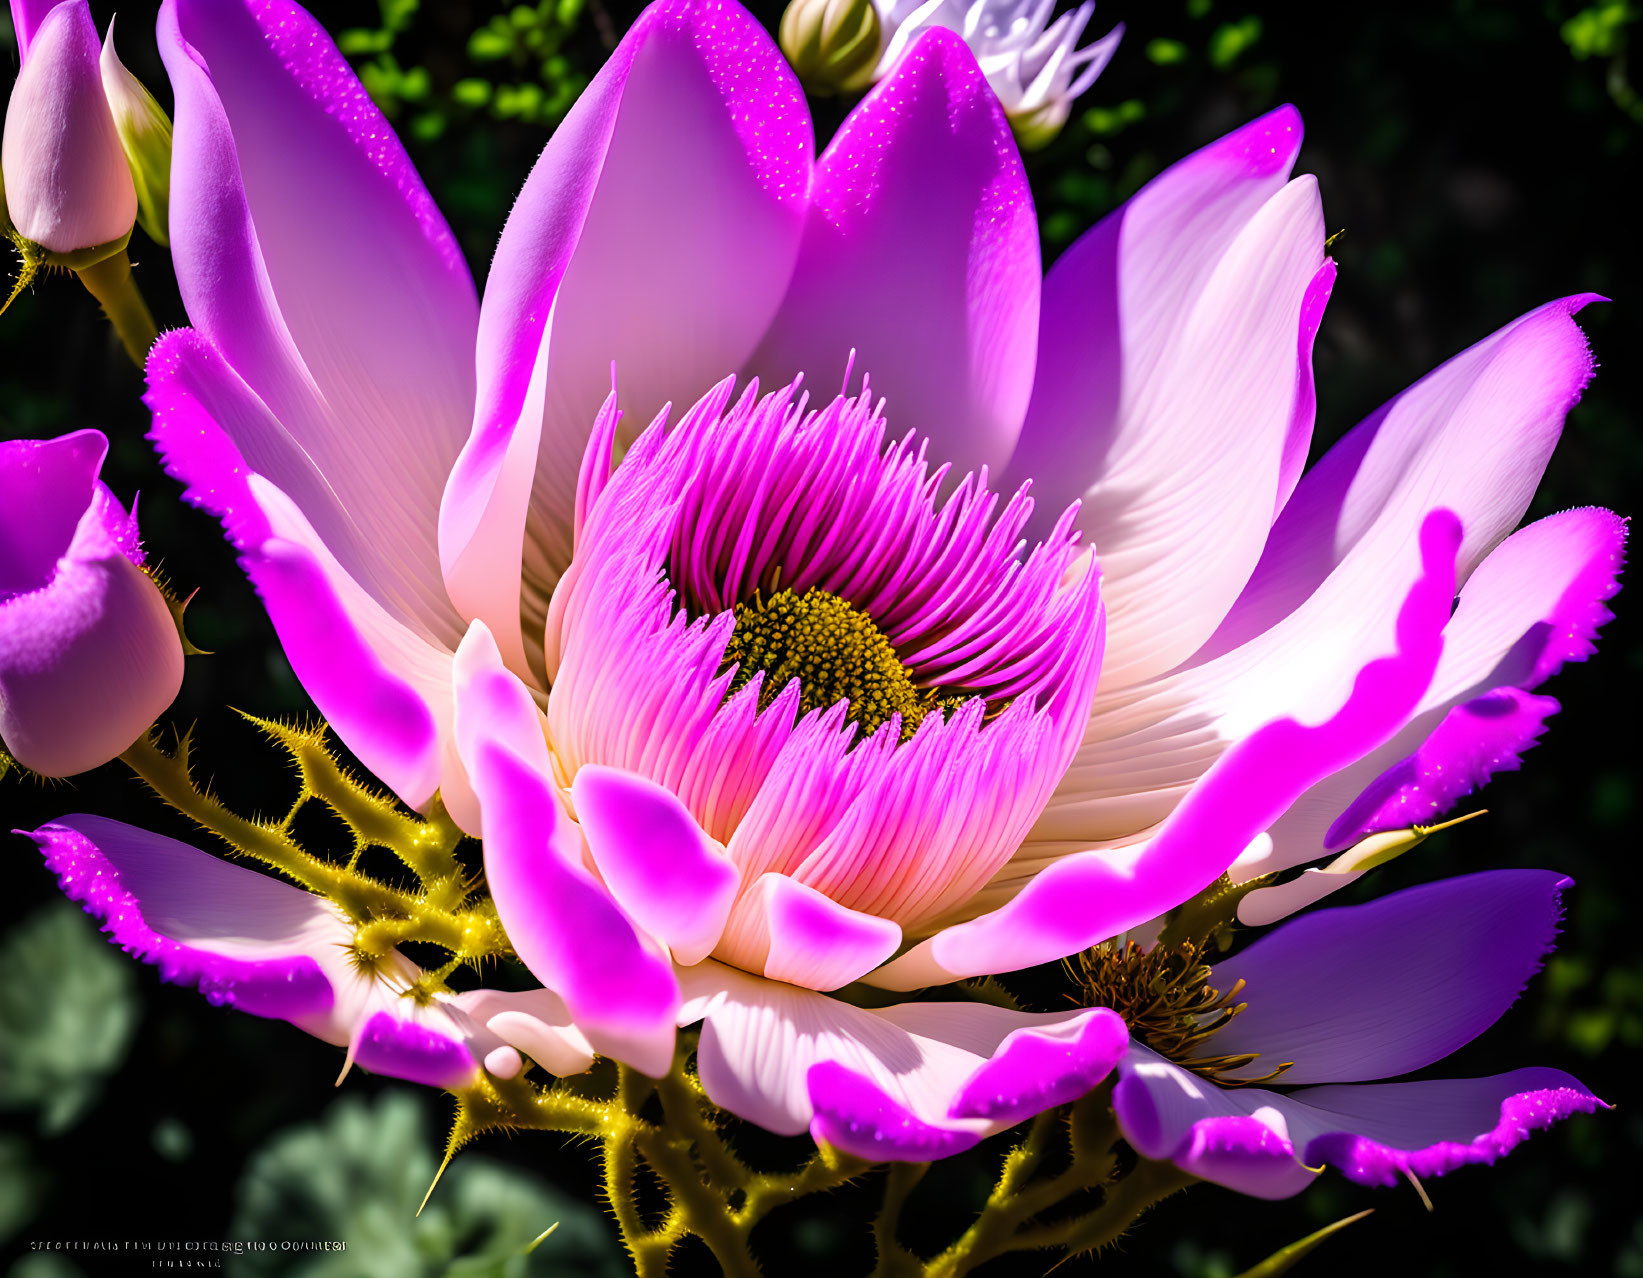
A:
[89,653]
[67,184]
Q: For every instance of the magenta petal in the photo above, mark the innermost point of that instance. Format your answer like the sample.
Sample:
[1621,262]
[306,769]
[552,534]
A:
[1371,991]
[254,943]
[562,922]
[921,209]
[310,256]
[26,17]
[854,1115]
[791,932]
[657,231]
[670,878]
[1035,1069]
[1087,897]
[379,680]
[1487,732]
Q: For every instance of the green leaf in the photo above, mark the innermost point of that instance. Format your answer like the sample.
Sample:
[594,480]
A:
[1281,1262]
[356,1177]
[68,1010]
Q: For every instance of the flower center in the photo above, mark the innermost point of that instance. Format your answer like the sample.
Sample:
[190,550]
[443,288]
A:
[1165,997]
[835,651]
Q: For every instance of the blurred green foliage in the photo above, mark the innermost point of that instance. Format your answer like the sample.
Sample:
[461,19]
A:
[518,68]
[68,1008]
[358,1175]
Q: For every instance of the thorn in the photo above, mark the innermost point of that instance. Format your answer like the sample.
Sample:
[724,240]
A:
[1453,821]
[441,1172]
[539,1239]
[1419,1188]
[347,1063]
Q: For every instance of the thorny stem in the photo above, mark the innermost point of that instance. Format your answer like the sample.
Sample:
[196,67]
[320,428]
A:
[894,1260]
[110,281]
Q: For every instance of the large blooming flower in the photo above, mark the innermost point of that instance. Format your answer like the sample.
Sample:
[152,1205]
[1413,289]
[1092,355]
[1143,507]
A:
[1348,995]
[764,698]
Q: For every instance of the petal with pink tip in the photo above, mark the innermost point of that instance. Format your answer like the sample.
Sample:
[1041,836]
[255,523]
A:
[1090,896]
[1271,1146]
[1173,395]
[1535,603]
[563,924]
[380,680]
[905,1083]
[257,944]
[921,207]
[657,231]
[670,878]
[310,256]
[793,933]
[1471,437]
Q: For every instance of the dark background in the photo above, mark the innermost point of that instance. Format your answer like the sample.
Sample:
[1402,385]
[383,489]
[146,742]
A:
[1481,158]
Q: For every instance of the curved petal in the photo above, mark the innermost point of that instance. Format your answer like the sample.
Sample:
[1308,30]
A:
[535,1022]
[671,879]
[905,1083]
[657,232]
[1535,603]
[382,683]
[1173,395]
[310,255]
[921,256]
[1271,1146]
[1371,991]
[251,942]
[1090,896]
[791,932]
[1471,437]
[26,17]
[563,924]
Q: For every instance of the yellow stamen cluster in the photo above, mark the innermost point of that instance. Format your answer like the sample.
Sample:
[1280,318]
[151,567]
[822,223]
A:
[1165,997]
[833,649]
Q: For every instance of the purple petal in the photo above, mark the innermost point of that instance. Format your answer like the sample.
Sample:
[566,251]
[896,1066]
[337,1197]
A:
[561,920]
[1088,897]
[1371,991]
[311,257]
[251,942]
[1174,389]
[657,231]
[670,878]
[861,1119]
[26,17]
[49,486]
[921,209]
[68,186]
[1270,1146]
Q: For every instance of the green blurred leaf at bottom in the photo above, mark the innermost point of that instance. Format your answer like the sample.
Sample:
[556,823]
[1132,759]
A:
[356,1178]
[68,1009]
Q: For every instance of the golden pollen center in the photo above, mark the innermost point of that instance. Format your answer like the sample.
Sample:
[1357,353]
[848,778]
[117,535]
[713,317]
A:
[833,649]
[1165,997]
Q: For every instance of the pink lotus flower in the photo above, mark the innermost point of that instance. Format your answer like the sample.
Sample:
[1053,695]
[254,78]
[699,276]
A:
[89,653]
[485,605]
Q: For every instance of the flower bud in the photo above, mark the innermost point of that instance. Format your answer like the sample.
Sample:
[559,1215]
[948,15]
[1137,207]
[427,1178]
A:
[145,133]
[834,45]
[89,653]
[68,188]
